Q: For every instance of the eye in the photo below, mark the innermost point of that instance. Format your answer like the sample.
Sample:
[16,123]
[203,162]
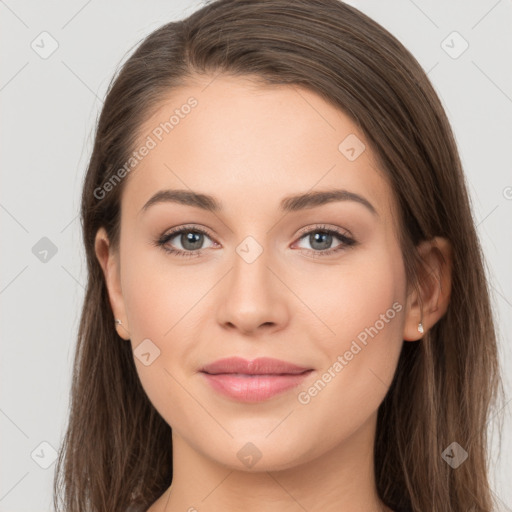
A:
[321,238]
[189,240]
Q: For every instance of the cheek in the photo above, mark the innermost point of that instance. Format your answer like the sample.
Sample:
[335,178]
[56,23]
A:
[157,292]
[364,309]
[157,307]
[366,300]
[356,295]
[161,301]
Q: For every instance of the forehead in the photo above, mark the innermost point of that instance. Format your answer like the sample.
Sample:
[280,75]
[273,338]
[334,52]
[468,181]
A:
[250,145]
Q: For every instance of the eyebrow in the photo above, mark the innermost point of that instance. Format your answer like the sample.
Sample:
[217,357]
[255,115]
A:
[288,204]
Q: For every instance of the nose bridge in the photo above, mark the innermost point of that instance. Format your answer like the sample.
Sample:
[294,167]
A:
[250,279]
[250,266]
[252,296]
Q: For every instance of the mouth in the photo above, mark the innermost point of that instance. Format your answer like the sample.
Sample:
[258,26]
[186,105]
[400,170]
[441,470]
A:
[253,381]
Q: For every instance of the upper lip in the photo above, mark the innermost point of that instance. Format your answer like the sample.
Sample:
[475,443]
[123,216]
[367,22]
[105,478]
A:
[258,366]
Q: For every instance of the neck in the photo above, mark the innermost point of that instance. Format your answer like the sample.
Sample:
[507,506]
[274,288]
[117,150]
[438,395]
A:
[342,479]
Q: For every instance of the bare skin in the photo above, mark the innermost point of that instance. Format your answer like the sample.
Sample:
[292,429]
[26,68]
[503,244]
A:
[250,146]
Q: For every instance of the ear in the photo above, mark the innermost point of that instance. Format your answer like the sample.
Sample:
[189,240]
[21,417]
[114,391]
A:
[430,302]
[109,261]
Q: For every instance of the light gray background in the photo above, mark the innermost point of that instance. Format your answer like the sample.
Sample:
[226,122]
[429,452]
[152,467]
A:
[49,109]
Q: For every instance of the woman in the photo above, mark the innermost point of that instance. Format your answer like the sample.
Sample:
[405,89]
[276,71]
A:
[286,304]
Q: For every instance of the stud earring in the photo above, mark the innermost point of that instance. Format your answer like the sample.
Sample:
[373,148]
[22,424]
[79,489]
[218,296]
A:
[118,322]
[421,330]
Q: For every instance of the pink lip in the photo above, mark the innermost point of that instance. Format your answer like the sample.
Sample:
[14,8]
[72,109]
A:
[253,381]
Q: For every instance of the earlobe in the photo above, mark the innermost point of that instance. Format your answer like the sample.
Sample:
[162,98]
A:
[429,302]
[109,262]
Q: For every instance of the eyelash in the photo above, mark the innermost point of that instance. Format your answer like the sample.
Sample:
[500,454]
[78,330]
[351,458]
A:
[345,240]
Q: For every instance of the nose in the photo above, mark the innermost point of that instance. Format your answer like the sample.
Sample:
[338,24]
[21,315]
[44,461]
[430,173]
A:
[252,298]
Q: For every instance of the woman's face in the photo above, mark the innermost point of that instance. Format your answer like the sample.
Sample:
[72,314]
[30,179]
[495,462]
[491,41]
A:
[258,276]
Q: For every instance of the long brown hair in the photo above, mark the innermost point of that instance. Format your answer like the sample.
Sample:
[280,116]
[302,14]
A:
[117,450]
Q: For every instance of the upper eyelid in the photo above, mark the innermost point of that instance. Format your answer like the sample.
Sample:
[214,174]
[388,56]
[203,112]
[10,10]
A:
[319,227]
[323,227]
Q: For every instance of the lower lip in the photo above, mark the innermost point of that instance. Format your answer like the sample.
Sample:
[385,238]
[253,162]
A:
[257,388]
